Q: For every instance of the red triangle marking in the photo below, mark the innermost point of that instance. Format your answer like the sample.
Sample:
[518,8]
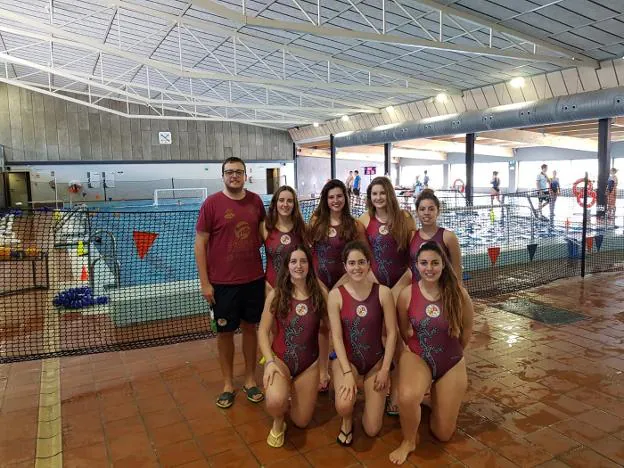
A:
[590,242]
[493,254]
[143,241]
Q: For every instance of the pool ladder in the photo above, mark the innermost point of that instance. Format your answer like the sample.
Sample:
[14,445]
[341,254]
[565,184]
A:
[113,257]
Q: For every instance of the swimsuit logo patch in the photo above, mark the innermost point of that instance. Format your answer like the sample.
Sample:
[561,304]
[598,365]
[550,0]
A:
[432,311]
[332,232]
[285,239]
[361,311]
[383,230]
[222,322]
[301,310]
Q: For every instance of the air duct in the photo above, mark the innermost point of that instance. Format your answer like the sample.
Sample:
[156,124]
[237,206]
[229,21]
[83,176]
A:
[584,106]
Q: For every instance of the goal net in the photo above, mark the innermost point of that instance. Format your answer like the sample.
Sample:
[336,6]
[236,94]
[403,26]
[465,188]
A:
[177,195]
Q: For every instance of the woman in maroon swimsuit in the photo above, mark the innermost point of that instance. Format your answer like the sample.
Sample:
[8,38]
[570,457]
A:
[427,210]
[435,320]
[389,230]
[297,307]
[282,230]
[330,228]
[358,311]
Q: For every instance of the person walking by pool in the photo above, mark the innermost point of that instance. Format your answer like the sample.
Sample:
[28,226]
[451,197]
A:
[227,253]
[542,183]
[357,183]
[296,307]
[554,188]
[388,230]
[331,228]
[495,190]
[282,230]
[349,183]
[435,321]
[358,311]
[612,186]
[426,180]
[427,211]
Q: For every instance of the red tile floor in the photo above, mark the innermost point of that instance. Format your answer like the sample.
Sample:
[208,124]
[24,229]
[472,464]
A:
[549,396]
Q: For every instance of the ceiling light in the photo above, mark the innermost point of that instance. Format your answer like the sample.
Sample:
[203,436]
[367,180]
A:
[316,124]
[441,98]
[389,109]
[517,82]
[344,118]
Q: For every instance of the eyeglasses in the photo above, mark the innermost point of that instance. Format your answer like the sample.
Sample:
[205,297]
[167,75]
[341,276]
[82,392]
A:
[230,173]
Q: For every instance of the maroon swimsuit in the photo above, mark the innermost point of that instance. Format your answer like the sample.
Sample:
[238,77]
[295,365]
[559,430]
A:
[388,263]
[362,323]
[415,244]
[278,244]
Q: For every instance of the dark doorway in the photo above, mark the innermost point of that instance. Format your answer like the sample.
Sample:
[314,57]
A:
[273,179]
[18,189]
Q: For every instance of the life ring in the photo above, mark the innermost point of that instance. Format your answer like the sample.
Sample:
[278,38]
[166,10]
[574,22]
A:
[74,186]
[591,198]
[459,185]
[578,191]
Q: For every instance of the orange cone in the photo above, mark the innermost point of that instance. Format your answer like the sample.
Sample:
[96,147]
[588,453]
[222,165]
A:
[84,276]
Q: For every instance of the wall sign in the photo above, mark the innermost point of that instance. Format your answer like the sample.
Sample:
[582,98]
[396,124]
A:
[164,138]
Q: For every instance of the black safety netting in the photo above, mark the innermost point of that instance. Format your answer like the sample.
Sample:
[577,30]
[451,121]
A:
[108,277]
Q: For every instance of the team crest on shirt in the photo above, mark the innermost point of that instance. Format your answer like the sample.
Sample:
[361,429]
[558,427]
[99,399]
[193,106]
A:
[383,229]
[285,239]
[242,230]
[332,232]
[222,322]
[361,311]
[432,311]
[301,310]
[229,214]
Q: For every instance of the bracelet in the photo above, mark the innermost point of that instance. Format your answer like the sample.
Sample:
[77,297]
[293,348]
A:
[269,362]
[348,372]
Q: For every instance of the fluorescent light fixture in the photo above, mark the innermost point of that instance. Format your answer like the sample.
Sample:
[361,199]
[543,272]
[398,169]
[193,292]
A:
[517,82]
[441,98]
[389,108]
[344,118]
[316,124]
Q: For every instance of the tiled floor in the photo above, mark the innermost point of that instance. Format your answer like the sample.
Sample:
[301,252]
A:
[550,396]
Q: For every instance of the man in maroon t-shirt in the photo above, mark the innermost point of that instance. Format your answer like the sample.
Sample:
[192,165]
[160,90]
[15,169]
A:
[227,252]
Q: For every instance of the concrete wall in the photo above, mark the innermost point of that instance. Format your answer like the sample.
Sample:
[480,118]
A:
[34,127]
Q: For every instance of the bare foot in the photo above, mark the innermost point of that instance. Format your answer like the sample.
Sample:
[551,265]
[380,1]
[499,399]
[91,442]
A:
[399,456]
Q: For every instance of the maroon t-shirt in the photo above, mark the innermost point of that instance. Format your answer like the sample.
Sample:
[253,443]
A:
[234,243]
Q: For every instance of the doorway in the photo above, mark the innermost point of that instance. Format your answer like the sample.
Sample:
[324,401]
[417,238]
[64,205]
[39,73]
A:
[18,185]
[273,179]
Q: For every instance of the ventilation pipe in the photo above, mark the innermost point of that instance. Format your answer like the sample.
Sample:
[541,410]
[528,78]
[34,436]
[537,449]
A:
[584,106]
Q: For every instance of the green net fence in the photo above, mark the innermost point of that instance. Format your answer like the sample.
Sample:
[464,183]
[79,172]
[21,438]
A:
[106,277]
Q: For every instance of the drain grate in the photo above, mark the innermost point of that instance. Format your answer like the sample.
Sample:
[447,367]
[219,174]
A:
[540,312]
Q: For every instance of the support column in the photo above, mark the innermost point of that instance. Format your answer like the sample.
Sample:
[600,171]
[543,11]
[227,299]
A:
[294,147]
[332,156]
[604,160]
[388,160]
[445,175]
[470,146]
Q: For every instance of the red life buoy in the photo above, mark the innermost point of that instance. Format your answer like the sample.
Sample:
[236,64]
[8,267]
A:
[578,191]
[591,198]
[459,185]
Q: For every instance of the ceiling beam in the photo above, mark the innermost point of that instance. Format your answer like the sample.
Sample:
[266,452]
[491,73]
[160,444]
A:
[53,33]
[303,52]
[525,138]
[408,41]
[449,10]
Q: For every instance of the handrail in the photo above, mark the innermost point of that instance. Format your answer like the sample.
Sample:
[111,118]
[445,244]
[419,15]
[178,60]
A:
[113,257]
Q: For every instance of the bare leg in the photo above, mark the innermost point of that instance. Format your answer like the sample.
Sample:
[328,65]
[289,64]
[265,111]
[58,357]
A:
[250,346]
[415,380]
[304,396]
[374,404]
[277,394]
[344,407]
[323,366]
[446,399]
[225,345]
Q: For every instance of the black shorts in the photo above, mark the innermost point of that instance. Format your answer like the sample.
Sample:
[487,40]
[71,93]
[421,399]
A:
[543,196]
[356,191]
[236,302]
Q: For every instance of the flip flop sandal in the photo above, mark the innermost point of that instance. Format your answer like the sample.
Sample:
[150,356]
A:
[389,408]
[348,438]
[276,440]
[252,393]
[227,398]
